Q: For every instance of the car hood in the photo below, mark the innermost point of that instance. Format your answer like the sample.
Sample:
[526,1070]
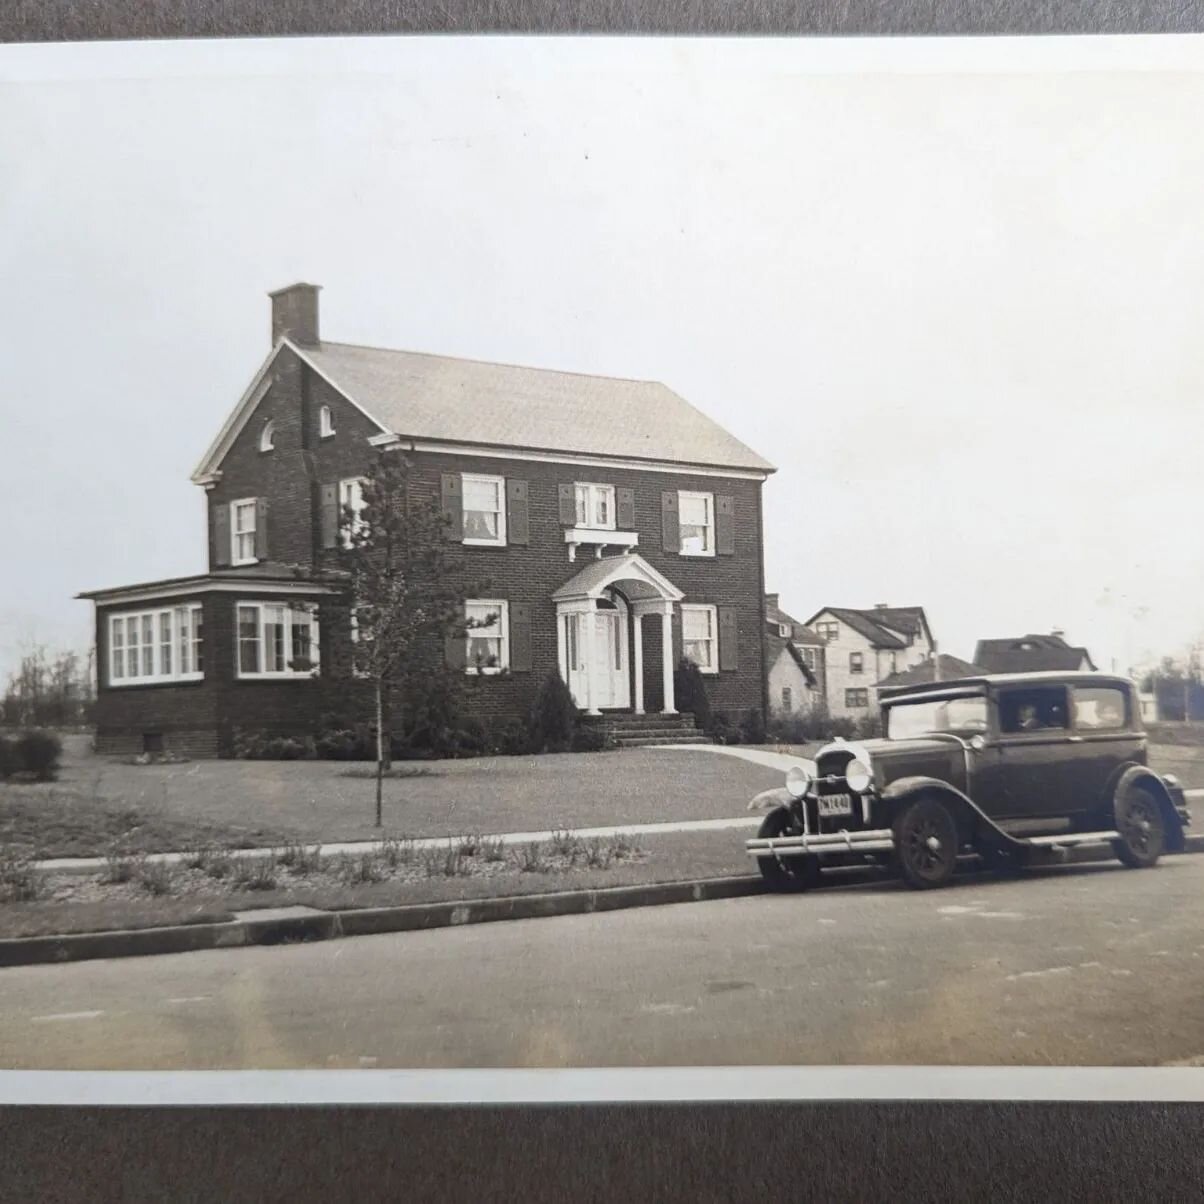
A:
[940,757]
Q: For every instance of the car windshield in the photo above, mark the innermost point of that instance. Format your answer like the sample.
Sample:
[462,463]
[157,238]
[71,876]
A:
[962,715]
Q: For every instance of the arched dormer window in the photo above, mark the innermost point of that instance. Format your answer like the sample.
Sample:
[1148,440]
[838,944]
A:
[267,437]
[325,422]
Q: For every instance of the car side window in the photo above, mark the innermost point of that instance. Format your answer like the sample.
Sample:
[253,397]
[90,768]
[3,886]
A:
[1033,709]
[1099,709]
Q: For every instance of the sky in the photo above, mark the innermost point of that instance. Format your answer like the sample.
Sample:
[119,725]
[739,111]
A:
[953,289]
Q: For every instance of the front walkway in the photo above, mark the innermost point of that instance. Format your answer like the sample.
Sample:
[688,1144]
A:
[758,756]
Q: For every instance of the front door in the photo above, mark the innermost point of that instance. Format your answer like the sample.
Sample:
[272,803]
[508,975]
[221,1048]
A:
[608,686]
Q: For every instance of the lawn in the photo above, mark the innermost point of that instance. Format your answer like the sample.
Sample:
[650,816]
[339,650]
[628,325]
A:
[87,906]
[168,807]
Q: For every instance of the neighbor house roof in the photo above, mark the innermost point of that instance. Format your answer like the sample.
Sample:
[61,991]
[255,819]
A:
[873,625]
[438,398]
[776,645]
[1028,653]
[951,669]
[776,616]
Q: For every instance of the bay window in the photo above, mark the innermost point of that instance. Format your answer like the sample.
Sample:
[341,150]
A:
[159,645]
[277,639]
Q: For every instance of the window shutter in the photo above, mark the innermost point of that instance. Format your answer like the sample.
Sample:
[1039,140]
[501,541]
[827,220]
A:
[670,526]
[329,517]
[453,507]
[518,525]
[455,645]
[567,496]
[729,639]
[221,534]
[725,526]
[520,637]
[625,509]
[261,528]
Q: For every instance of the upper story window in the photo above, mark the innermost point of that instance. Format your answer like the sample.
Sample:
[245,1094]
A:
[827,631]
[810,656]
[277,639]
[351,497]
[696,518]
[242,531]
[267,436]
[484,510]
[489,638]
[699,630]
[785,630]
[325,422]
[151,646]
[595,506]
[856,662]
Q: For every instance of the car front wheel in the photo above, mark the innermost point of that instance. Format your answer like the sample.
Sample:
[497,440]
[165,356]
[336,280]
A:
[926,843]
[788,873]
[1142,828]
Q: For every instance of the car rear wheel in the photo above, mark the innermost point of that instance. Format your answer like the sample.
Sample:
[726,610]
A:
[1142,827]
[926,843]
[788,873]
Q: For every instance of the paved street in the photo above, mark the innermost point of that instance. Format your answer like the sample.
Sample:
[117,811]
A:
[1083,965]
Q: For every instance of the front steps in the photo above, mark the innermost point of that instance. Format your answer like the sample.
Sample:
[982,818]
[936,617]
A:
[642,731]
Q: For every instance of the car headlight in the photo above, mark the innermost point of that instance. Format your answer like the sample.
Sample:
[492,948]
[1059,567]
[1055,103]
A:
[858,775]
[798,781]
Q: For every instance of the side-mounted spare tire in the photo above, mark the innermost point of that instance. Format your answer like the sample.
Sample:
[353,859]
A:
[788,873]
[1141,824]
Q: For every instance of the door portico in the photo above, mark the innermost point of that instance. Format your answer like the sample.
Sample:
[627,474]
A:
[603,667]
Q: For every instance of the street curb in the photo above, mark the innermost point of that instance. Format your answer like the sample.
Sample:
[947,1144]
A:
[327,925]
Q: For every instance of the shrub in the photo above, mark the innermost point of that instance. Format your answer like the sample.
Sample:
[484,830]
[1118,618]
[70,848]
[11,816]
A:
[625,846]
[120,866]
[591,737]
[39,753]
[868,727]
[300,858]
[20,880]
[397,850]
[259,746]
[510,738]
[156,877]
[255,873]
[493,849]
[752,726]
[598,854]
[344,744]
[10,758]
[722,730]
[220,865]
[554,714]
[846,729]
[690,693]
[563,842]
[530,858]
[362,869]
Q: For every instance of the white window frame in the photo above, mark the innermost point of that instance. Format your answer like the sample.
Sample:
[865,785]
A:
[326,428]
[500,482]
[856,662]
[827,631]
[709,499]
[285,674]
[712,640]
[357,523]
[503,624]
[591,491]
[252,504]
[785,630]
[120,647]
[856,706]
[267,436]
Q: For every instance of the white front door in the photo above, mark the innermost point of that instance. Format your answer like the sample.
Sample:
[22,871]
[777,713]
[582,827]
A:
[609,685]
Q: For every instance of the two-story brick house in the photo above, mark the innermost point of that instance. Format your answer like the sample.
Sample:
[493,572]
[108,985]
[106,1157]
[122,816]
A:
[862,647]
[619,527]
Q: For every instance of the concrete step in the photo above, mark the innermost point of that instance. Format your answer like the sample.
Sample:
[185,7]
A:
[649,741]
[640,722]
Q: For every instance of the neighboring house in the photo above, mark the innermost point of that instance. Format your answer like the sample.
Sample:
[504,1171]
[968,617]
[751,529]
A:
[861,647]
[794,660]
[1031,653]
[941,667]
[620,528]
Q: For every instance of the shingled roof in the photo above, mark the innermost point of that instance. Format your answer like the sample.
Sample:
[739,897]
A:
[775,616]
[1029,654]
[951,669]
[880,624]
[776,644]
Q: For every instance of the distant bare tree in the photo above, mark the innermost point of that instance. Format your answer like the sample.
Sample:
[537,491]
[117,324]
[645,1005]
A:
[50,689]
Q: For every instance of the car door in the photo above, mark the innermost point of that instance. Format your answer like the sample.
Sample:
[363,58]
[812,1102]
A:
[1105,737]
[1031,771]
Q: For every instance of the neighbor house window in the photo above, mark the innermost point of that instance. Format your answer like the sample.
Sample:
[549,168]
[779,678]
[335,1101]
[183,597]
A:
[827,631]
[698,637]
[488,636]
[856,698]
[785,630]
[242,531]
[277,639]
[596,506]
[325,422]
[351,495]
[787,699]
[155,646]
[267,436]
[810,657]
[696,521]
[856,662]
[484,509]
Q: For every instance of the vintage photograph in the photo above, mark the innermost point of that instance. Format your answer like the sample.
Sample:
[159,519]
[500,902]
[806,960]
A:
[601,552]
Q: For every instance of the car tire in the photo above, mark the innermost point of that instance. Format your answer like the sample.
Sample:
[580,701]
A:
[789,873]
[926,843]
[1142,827]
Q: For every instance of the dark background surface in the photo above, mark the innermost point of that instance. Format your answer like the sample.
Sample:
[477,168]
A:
[870,1151]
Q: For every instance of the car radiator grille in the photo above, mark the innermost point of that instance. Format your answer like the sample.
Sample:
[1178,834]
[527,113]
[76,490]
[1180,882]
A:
[831,780]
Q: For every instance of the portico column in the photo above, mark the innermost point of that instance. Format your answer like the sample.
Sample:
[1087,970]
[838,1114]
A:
[637,660]
[590,618]
[667,666]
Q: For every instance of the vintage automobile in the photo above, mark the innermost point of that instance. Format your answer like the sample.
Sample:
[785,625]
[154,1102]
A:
[1014,769]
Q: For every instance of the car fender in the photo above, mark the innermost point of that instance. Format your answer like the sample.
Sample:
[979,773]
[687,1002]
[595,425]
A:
[903,790]
[1144,775]
[770,800]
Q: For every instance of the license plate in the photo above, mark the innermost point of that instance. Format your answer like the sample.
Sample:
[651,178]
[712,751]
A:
[835,804]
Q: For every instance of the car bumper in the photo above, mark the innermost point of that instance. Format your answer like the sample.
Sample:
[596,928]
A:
[874,840]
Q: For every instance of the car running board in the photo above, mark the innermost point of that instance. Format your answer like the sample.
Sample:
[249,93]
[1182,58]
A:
[881,840]
[1068,839]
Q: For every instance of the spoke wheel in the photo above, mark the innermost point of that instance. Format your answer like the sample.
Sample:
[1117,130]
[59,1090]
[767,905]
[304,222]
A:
[788,873]
[926,844]
[1142,828]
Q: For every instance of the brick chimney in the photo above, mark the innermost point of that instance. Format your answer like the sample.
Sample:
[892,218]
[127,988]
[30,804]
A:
[882,606]
[771,601]
[295,314]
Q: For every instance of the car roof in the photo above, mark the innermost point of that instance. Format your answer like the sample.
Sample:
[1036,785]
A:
[984,681]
